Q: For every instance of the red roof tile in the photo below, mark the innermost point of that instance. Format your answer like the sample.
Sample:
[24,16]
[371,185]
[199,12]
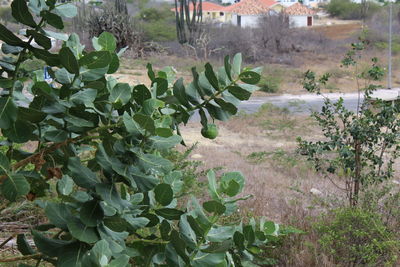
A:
[298,10]
[251,7]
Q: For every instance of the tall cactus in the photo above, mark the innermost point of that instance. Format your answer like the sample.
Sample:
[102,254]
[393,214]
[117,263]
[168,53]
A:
[188,23]
[121,7]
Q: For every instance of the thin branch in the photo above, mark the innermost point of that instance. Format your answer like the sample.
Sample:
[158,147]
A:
[6,241]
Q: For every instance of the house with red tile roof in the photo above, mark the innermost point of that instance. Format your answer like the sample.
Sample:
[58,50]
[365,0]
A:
[247,13]
[300,15]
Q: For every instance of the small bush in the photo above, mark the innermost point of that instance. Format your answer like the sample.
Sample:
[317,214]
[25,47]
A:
[270,84]
[158,24]
[355,237]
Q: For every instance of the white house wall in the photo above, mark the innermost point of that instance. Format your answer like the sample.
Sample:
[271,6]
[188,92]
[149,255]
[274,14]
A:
[247,21]
[298,21]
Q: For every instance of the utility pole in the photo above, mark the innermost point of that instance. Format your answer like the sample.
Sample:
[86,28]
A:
[390,44]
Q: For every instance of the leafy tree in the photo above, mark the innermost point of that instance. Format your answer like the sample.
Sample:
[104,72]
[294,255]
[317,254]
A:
[103,145]
[359,146]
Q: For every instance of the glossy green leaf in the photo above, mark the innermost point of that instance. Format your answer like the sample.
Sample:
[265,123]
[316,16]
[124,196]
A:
[239,239]
[68,60]
[48,246]
[141,94]
[82,175]
[164,194]
[46,56]
[237,64]
[58,214]
[107,41]
[169,214]
[145,122]
[239,92]
[212,185]
[20,11]
[120,94]
[54,20]
[14,186]
[179,92]
[40,39]
[211,77]
[65,185]
[82,232]
[162,143]
[114,64]
[179,246]
[91,213]
[20,132]
[56,136]
[249,234]
[214,206]
[8,112]
[109,194]
[9,38]
[96,59]
[250,77]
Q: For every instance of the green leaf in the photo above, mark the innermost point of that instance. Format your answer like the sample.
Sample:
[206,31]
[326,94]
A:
[65,185]
[179,246]
[66,10]
[56,136]
[54,20]
[20,132]
[237,64]
[211,77]
[154,162]
[212,185]
[109,194]
[162,86]
[232,109]
[23,245]
[71,255]
[96,59]
[214,206]
[169,214]
[220,233]
[141,94]
[163,143]
[51,59]
[179,92]
[120,261]
[114,64]
[228,67]
[187,233]
[238,238]
[164,194]
[40,39]
[82,175]
[8,112]
[144,182]
[58,214]
[107,41]
[82,232]
[250,77]
[68,60]
[120,94]
[20,11]
[130,124]
[270,228]
[63,76]
[89,75]
[210,260]
[91,213]
[9,38]
[4,164]
[249,234]
[14,186]
[146,122]
[49,247]
[232,189]
[239,92]
[31,114]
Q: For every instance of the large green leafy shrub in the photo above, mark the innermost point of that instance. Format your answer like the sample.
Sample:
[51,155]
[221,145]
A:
[356,237]
[104,145]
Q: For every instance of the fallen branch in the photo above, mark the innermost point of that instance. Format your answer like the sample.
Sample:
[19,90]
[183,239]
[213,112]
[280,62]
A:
[6,241]
[21,258]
